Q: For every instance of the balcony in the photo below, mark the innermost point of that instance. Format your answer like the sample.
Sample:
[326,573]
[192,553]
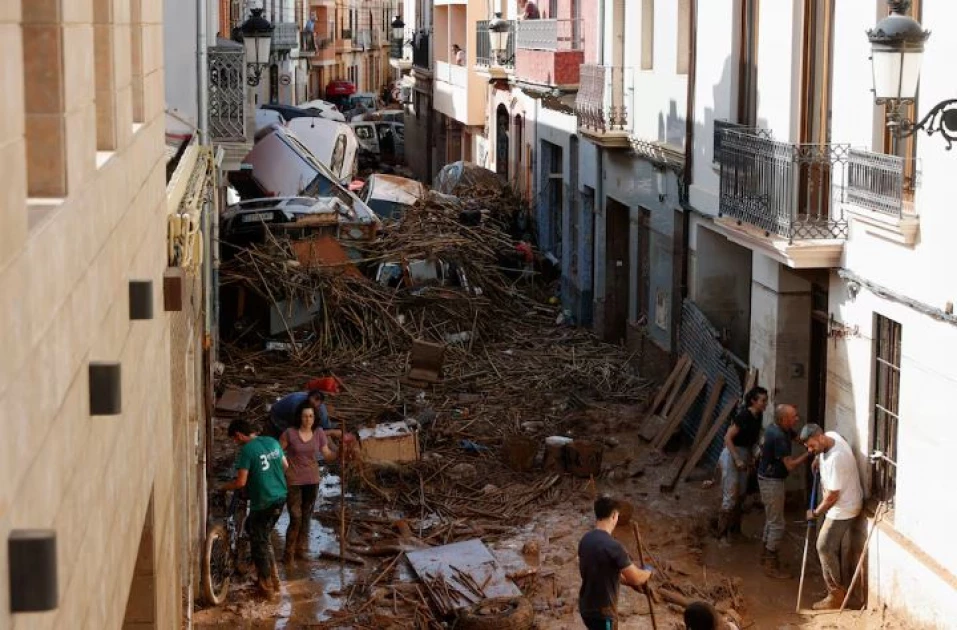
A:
[879,191]
[318,44]
[285,37]
[227,102]
[549,52]
[459,93]
[484,62]
[784,200]
[362,39]
[420,51]
[600,105]
[344,43]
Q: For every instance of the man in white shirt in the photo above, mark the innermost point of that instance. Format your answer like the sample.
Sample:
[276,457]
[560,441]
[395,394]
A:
[843,498]
[459,55]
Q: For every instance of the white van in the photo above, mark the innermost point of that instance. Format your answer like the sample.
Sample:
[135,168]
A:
[335,144]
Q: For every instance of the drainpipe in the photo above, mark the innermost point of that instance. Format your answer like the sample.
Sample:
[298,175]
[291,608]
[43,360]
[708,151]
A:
[599,180]
[202,70]
[684,192]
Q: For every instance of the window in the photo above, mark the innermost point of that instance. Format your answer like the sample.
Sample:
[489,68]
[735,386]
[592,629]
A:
[887,378]
[684,36]
[647,34]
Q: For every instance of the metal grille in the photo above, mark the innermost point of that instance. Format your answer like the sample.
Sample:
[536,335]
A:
[420,50]
[791,190]
[876,181]
[600,103]
[227,104]
[548,35]
[483,46]
[887,371]
[285,36]
[721,125]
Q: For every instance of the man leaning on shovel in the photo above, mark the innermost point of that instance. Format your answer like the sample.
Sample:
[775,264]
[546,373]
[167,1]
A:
[843,498]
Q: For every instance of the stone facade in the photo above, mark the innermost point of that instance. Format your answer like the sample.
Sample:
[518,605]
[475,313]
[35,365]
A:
[83,212]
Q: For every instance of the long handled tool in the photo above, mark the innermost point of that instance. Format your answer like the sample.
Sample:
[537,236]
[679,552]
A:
[878,515]
[807,540]
[647,589]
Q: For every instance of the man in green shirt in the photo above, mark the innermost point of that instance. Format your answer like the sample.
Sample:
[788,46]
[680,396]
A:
[260,468]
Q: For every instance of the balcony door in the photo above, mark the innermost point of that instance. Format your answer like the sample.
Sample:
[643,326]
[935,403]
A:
[816,84]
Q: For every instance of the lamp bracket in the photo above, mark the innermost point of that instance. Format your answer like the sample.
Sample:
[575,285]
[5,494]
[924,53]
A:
[942,118]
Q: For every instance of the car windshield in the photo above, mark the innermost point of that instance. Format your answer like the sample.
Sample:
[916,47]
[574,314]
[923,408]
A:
[386,209]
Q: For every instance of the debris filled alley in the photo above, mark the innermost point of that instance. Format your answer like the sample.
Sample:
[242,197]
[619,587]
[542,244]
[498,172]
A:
[487,423]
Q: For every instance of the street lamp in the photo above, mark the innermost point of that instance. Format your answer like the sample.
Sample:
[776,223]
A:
[257,39]
[897,50]
[498,37]
[398,37]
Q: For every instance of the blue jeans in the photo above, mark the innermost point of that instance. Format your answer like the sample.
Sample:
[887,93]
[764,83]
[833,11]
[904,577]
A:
[734,482]
[600,623]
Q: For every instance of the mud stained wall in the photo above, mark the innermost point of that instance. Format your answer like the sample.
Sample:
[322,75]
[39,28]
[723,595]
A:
[65,266]
[721,286]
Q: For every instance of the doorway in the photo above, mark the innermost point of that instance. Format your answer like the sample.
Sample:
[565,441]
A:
[817,384]
[501,140]
[617,270]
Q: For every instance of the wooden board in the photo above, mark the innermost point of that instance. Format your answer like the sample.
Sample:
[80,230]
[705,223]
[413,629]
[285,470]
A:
[709,408]
[671,475]
[679,383]
[469,556]
[234,401]
[681,408]
[703,446]
[668,384]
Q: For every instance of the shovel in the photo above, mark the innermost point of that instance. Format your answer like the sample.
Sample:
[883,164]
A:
[807,539]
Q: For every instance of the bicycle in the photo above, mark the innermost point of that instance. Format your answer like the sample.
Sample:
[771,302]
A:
[226,552]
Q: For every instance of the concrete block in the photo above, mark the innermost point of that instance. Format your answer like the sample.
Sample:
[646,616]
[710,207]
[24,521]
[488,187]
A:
[122,55]
[13,196]
[12,96]
[78,65]
[10,12]
[46,155]
[80,130]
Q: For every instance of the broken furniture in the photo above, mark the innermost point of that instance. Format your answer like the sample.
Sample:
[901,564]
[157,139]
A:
[389,442]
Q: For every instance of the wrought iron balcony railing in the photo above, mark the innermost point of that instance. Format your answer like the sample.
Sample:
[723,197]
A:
[227,89]
[601,100]
[285,36]
[548,34]
[794,191]
[483,46]
[877,182]
[420,50]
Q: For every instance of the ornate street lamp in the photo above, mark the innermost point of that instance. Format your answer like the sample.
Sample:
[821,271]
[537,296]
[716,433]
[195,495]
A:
[498,37]
[257,39]
[398,37]
[897,50]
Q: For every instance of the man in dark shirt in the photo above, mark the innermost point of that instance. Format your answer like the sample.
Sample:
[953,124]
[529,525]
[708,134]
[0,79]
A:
[739,440]
[773,469]
[603,564]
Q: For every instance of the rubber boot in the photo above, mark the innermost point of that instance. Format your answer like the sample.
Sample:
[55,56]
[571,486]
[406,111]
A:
[734,521]
[833,600]
[772,567]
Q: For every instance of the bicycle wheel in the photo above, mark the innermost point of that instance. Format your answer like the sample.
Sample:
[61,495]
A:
[215,578]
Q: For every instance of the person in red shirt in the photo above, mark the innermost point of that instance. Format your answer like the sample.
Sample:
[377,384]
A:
[524,249]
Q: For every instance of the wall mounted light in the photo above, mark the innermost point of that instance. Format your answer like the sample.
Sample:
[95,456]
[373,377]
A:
[498,38]
[897,50]
[398,37]
[105,389]
[33,570]
[141,299]
[662,185]
[257,40]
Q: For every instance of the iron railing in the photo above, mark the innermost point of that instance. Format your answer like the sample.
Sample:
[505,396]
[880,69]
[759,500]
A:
[362,39]
[420,51]
[318,38]
[483,46]
[876,182]
[601,100]
[795,191]
[721,125]
[346,33]
[285,36]
[227,89]
[548,34]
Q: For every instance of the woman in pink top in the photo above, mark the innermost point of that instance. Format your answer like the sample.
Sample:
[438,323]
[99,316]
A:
[302,445]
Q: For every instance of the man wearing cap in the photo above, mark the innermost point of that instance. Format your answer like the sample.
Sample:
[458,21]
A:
[843,498]
[604,564]
[773,469]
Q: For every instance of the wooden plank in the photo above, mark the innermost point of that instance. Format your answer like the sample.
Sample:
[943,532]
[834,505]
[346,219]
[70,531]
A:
[668,384]
[679,383]
[706,442]
[681,408]
[651,427]
[670,477]
[709,408]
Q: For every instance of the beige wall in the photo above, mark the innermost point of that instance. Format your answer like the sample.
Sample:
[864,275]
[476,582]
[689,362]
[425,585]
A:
[64,269]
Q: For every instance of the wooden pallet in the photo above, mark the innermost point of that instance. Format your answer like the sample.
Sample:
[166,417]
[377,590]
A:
[669,384]
[677,414]
[699,452]
[714,396]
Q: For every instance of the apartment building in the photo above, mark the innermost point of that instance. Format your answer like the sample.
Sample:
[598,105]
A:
[102,380]
[816,244]
[420,116]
